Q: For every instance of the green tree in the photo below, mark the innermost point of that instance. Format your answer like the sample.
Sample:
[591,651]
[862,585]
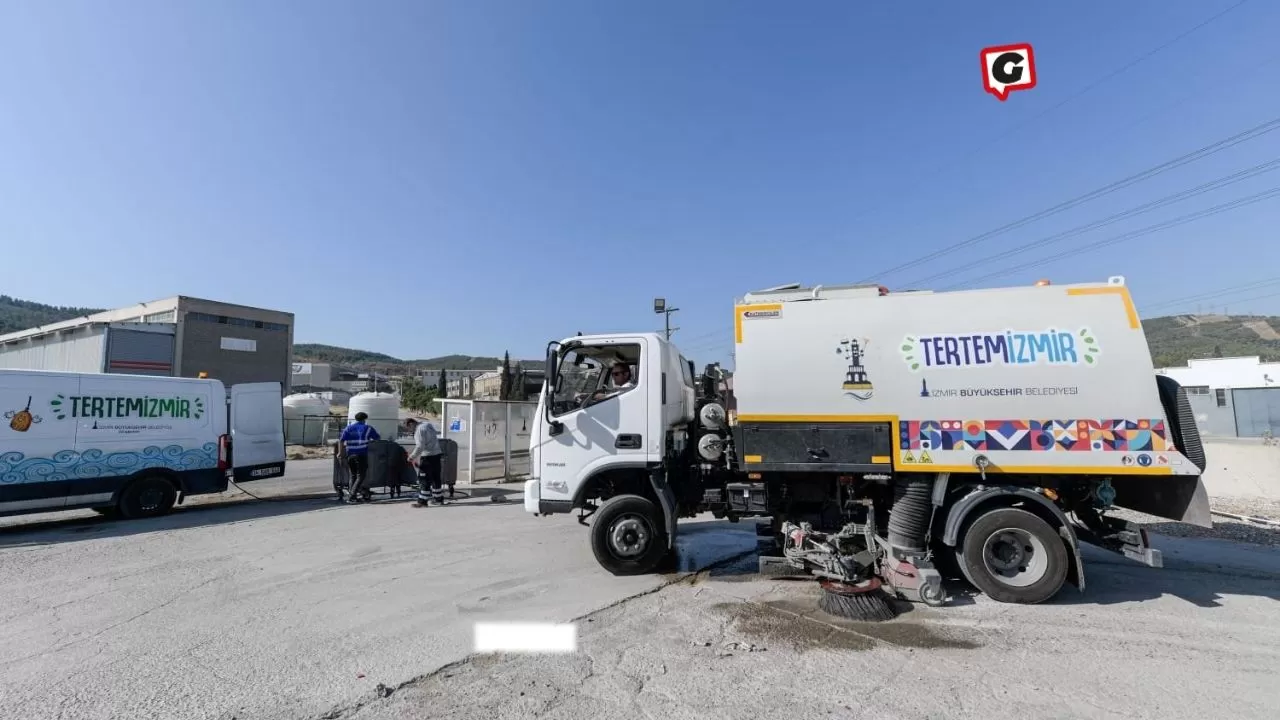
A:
[504,391]
[416,396]
[442,385]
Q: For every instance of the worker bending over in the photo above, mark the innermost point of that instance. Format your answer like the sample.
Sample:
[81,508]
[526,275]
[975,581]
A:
[426,456]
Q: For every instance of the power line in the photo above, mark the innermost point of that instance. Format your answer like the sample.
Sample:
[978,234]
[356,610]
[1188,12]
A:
[1125,68]
[1236,77]
[1110,220]
[1199,154]
[1242,301]
[982,148]
[726,342]
[713,333]
[1182,220]
[1231,290]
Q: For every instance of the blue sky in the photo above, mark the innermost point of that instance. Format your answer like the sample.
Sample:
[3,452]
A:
[430,177]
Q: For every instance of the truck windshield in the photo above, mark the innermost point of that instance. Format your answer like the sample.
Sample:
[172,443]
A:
[588,373]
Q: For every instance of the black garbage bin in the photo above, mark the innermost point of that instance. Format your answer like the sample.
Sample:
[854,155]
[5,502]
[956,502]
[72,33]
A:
[341,474]
[449,464]
[388,463]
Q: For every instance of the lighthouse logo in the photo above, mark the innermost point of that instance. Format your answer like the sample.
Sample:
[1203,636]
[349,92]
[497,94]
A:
[857,384]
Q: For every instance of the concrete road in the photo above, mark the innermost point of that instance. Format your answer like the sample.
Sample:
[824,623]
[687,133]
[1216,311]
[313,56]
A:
[1200,637]
[301,608]
[284,609]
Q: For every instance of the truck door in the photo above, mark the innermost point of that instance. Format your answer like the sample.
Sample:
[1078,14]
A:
[600,403]
[257,431]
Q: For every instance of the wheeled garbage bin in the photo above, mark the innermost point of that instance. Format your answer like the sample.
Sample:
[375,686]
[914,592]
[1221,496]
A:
[389,470]
[449,464]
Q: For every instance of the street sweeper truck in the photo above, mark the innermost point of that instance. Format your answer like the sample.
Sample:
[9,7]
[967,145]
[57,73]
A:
[889,436]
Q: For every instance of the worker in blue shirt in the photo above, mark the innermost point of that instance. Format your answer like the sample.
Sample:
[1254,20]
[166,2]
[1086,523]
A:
[354,444]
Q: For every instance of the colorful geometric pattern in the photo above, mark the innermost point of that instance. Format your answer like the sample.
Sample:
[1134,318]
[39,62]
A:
[1035,435]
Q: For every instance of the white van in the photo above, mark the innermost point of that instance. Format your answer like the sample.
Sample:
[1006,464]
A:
[132,443]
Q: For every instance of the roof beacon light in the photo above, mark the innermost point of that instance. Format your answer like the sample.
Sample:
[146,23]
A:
[1043,283]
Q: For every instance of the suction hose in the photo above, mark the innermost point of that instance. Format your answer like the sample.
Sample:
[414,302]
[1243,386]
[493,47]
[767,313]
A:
[909,516]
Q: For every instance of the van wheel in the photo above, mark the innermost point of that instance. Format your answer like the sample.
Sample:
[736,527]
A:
[1013,556]
[148,496]
[628,536]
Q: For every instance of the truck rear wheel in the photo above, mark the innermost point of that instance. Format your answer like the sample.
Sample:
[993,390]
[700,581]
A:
[1013,556]
[148,496]
[629,536]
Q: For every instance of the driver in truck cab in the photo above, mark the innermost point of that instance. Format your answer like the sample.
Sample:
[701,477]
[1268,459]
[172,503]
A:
[620,377]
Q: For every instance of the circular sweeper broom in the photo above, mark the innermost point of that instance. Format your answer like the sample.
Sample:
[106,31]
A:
[864,602]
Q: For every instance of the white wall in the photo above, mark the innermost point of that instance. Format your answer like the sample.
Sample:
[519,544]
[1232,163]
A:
[78,351]
[1236,372]
[1242,468]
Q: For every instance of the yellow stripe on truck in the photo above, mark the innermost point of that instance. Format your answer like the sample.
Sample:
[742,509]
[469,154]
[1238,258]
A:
[1039,469]
[1120,290]
[738,312]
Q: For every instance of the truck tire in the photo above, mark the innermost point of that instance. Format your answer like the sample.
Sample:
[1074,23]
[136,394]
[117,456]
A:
[1013,556]
[148,496]
[628,536]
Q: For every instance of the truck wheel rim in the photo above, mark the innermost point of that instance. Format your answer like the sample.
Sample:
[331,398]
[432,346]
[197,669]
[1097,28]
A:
[1015,557]
[629,536]
[150,498]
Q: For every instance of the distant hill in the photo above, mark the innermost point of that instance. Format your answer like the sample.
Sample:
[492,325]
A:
[363,359]
[18,314]
[1176,339]
[313,352]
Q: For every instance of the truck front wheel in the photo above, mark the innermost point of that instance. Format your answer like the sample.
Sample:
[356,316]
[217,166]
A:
[1013,556]
[629,536]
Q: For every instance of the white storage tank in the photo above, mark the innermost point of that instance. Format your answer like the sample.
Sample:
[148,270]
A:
[304,421]
[383,410]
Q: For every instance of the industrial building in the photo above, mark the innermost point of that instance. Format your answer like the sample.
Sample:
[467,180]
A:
[315,377]
[1232,397]
[178,336]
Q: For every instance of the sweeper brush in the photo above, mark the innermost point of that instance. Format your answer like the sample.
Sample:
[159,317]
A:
[864,602]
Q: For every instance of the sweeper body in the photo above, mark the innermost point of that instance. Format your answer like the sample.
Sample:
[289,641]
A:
[890,437]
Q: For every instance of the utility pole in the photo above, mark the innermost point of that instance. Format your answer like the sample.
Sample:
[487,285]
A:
[660,307]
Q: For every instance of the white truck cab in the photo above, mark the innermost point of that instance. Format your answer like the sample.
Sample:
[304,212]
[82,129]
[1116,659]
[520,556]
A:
[599,418]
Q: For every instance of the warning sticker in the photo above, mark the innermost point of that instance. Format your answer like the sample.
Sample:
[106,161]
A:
[908,458]
[924,457]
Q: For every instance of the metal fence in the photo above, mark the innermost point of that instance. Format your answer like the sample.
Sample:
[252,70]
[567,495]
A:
[492,437]
[314,430]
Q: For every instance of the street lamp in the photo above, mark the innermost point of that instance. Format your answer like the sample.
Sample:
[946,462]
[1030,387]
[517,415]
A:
[660,307]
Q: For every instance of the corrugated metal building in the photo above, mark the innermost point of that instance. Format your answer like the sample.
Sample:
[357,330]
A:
[179,336]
